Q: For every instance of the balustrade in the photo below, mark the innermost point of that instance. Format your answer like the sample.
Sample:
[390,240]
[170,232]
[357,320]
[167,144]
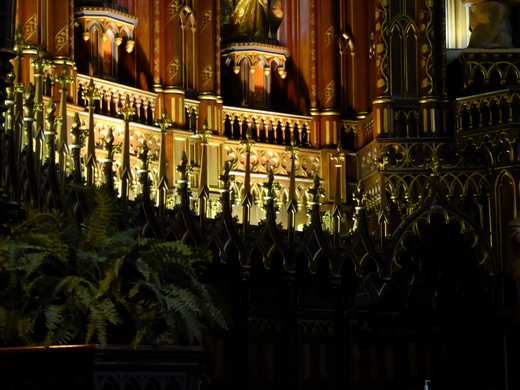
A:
[267,127]
[112,97]
[492,109]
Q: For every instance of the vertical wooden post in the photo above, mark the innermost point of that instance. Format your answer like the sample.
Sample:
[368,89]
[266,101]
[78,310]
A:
[162,185]
[91,95]
[247,200]
[292,206]
[125,172]
[64,79]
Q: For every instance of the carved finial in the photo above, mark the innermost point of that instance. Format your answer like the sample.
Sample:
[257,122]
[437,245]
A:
[19,43]
[360,196]
[434,164]
[50,115]
[316,190]
[77,132]
[204,133]
[225,178]
[28,102]
[339,156]
[270,185]
[127,110]
[108,143]
[164,122]
[91,94]
[41,62]
[64,78]
[293,148]
[144,157]
[248,141]
[184,169]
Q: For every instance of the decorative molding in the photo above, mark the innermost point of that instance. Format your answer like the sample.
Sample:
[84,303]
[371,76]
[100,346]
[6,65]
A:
[206,19]
[330,91]
[61,39]
[173,9]
[206,75]
[329,36]
[30,27]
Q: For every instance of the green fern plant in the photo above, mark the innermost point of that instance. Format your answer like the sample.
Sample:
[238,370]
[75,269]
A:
[62,282]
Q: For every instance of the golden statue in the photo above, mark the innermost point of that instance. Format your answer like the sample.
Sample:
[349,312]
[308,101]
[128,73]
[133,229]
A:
[253,19]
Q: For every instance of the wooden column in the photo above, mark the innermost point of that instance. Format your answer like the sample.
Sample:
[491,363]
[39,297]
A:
[209,63]
[382,107]
[328,72]
[434,102]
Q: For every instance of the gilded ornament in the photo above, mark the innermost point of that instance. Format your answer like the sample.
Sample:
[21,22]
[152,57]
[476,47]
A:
[329,36]
[330,91]
[206,75]
[30,26]
[205,19]
[173,69]
[61,38]
[173,9]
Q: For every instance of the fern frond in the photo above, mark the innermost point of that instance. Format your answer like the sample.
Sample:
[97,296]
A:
[103,220]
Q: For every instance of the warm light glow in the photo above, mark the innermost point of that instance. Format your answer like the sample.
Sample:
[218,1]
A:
[105,36]
[236,69]
[119,40]
[282,72]
[86,36]
[457,25]
[130,46]
[267,70]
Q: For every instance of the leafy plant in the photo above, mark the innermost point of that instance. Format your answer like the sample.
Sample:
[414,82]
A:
[62,282]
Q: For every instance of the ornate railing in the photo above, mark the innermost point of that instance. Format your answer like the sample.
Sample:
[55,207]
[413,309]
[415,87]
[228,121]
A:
[267,126]
[112,97]
[486,110]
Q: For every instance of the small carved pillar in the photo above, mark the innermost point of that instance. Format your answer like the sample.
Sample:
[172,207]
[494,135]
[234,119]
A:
[28,119]
[62,147]
[182,184]
[292,206]
[78,138]
[225,181]
[108,166]
[162,185]
[338,159]
[50,157]
[11,184]
[316,192]
[125,172]
[91,95]
[203,183]
[247,200]
[39,64]
[19,45]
